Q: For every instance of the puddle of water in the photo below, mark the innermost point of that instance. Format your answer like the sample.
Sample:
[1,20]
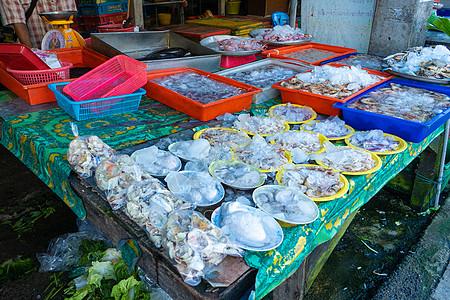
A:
[380,235]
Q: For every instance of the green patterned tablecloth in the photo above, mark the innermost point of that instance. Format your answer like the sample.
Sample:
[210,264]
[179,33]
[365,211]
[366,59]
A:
[40,140]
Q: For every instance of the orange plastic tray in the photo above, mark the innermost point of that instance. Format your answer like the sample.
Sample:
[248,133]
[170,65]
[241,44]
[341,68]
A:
[202,112]
[281,52]
[322,104]
[39,93]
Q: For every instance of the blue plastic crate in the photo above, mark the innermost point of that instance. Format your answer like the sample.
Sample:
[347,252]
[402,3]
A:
[83,110]
[407,130]
[102,8]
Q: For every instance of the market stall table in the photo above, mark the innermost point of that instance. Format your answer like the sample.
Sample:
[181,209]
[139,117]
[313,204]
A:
[40,139]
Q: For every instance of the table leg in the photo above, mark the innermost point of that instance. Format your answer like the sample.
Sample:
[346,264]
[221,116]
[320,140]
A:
[296,286]
[426,173]
[442,165]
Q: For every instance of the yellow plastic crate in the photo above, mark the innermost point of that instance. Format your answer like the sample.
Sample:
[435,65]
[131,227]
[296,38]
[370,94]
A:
[232,24]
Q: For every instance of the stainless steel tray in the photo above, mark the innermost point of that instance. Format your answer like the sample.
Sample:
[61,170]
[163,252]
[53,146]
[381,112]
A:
[211,43]
[418,78]
[139,44]
[256,32]
[268,92]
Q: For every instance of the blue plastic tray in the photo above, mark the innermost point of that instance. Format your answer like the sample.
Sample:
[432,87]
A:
[407,130]
[83,110]
[338,59]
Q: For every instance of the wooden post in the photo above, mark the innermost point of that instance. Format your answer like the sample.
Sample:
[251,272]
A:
[293,13]
[221,7]
[138,13]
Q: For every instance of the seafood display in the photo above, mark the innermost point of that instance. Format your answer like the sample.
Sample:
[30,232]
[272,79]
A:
[224,137]
[335,82]
[366,61]
[293,113]
[191,150]
[430,62]
[264,76]
[156,162]
[285,33]
[198,188]
[148,204]
[289,140]
[196,245]
[332,128]
[260,125]
[286,204]
[85,153]
[261,154]
[248,227]
[310,54]
[237,174]
[374,140]
[198,87]
[241,44]
[313,181]
[113,176]
[346,159]
[404,102]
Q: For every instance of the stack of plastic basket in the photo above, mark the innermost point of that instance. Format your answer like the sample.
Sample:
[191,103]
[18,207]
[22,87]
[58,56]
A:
[112,87]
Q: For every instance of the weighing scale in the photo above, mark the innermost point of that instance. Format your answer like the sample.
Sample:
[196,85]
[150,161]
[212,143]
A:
[61,35]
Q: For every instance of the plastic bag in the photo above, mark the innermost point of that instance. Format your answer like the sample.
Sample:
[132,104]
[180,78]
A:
[51,59]
[62,253]
[195,244]
[113,176]
[148,204]
[86,152]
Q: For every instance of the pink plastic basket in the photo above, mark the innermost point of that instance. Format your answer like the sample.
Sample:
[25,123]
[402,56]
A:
[120,75]
[27,77]
[234,61]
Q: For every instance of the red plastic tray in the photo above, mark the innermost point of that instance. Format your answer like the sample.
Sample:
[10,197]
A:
[202,112]
[39,93]
[20,57]
[281,52]
[322,104]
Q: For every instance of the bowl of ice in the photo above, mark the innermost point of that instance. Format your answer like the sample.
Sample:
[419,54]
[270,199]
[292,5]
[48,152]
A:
[198,188]
[237,174]
[156,162]
[286,204]
[191,150]
[248,227]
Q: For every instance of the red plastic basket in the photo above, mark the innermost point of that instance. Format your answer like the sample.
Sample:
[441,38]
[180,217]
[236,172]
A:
[27,77]
[120,75]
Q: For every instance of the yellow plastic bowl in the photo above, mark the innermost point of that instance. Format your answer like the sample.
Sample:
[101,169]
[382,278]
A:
[314,114]
[378,164]
[401,146]
[338,194]
[200,132]
[352,131]
[322,140]
[286,128]
[286,154]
